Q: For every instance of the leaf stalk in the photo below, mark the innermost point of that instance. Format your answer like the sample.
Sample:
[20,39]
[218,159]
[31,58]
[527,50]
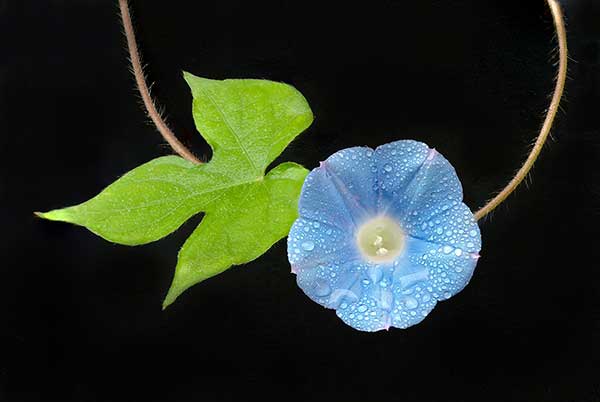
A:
[142,85]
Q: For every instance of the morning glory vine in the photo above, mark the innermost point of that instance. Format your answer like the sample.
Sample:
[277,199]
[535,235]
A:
[379,235]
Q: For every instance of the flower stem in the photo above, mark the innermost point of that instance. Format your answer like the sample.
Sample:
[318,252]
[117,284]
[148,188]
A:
[559,25]
[142,86]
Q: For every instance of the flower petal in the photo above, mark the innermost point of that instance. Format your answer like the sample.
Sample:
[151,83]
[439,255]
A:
[328,284]
[371,301]
[449,269]
[411,305]
[426,198]
[332,284]
[341,190]
[321,201]
[434,188]
[311,243]
[365,314]
[412,297]
[386,295]
[397,165]
[455,227]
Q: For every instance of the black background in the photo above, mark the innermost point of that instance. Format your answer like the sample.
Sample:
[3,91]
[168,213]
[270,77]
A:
[81,318]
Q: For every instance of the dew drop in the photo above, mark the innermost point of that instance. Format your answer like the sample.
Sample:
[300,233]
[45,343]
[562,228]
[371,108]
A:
[411,303]
[308,245]
[447,249]
[387,167]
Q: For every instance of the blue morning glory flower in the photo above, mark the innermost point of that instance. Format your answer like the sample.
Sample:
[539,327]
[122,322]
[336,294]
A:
[383,235]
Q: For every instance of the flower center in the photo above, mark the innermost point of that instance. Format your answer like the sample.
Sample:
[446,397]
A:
[381,239]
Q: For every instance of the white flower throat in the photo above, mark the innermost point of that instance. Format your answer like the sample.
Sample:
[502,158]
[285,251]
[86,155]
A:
[381,239]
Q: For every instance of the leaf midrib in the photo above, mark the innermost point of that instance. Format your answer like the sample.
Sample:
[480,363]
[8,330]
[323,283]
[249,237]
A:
[230,128]
[169,199]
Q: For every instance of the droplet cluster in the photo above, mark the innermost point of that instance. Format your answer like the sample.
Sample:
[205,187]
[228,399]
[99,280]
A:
[416,187]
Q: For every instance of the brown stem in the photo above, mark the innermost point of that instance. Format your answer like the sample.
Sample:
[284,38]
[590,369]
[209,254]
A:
[561,34]
[142,86]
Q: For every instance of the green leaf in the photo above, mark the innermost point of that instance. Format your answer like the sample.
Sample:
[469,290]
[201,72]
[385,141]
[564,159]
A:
[254,218]
[144,205]
[248,123]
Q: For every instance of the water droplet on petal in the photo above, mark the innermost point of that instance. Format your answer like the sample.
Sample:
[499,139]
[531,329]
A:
[387,167]
[308,245]
[411,303]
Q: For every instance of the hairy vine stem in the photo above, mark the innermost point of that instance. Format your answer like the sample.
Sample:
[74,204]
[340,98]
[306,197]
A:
[561,35]
[521,174]
[142,86]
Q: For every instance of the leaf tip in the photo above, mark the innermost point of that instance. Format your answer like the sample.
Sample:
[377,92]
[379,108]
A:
[186,74]
[180,284]
[190,78]
[54,215]
[171,296]
[177,288]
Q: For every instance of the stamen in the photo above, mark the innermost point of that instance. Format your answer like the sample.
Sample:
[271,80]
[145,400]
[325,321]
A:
[382,251]
[380,239]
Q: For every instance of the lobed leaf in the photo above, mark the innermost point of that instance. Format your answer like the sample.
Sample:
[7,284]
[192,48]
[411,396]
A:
[255,217]
[248,123]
